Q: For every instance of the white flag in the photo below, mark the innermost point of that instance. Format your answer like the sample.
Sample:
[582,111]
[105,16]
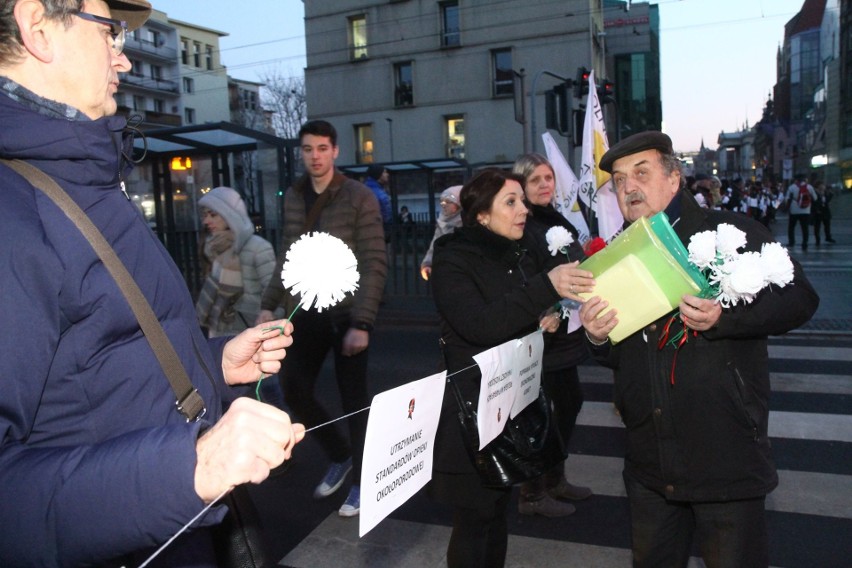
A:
[567,188]
[596,189]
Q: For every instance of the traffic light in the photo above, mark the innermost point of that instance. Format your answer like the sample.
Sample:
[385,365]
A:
[581,85]
[557,108]
[606,92]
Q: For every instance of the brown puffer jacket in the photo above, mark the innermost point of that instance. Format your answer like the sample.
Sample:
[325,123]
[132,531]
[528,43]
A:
[352,214]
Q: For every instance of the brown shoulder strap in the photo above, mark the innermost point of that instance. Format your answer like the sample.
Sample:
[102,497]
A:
[189,402]
[316,209]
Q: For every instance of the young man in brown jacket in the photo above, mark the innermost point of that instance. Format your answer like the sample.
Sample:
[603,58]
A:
[325,200]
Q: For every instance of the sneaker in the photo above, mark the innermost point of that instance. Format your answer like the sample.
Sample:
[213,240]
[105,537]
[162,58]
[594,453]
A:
[547,506]
[352,505]
[334,478]
[564,490]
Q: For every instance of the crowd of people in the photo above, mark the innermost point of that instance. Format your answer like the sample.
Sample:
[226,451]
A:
[763,199]
[97,468]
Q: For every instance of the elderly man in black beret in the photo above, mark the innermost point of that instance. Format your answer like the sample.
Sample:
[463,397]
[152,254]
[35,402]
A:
[698,460]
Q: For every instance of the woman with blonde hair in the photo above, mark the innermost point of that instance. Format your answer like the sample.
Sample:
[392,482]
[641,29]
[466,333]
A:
[563,351]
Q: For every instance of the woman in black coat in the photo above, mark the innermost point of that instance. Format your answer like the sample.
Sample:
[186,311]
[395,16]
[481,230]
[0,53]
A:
[488,290]
[563,351]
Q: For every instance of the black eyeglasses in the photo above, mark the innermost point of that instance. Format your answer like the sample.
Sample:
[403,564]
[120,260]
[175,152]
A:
[117,28]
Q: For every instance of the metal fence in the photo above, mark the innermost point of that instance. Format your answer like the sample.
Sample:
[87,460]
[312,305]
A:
[407,245]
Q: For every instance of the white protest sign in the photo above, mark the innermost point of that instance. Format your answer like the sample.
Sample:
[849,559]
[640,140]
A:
[528,354]
[496,390]
[398,447]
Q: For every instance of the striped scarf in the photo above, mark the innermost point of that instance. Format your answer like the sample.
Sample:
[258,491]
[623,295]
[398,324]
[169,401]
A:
[222,287]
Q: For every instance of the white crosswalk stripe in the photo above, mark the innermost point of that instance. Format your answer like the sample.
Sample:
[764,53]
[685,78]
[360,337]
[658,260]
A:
[804,493]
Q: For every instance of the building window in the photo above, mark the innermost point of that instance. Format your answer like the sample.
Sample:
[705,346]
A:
[450,28]
[155,38]
[138,103]
[184,51]
[156,72]
[209,57]
[455,136]
[403,84]
[188,85]
[189,115]
[196,54]
[358,37]
[504,77]
[249,99]
[364,143]
[136,68]
[159,106]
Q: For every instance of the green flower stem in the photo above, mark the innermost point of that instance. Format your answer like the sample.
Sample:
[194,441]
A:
[281,329]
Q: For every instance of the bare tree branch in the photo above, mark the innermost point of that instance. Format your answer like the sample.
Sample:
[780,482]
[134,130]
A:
[284,96]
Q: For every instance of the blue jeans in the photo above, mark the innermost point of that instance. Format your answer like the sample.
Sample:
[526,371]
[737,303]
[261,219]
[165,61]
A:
[730,534]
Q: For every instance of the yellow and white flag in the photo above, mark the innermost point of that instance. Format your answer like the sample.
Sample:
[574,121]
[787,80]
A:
[567,188]
[596,189]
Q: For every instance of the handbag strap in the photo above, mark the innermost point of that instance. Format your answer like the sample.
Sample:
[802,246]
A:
[188,401]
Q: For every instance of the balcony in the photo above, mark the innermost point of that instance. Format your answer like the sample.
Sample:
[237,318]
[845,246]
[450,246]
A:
[150,84]
[150,50]
[150,118]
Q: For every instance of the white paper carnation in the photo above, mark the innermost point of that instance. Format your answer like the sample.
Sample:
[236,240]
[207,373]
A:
[776,264]
[558,239]
[702,249]
[745,278]
[729,239]
[321,269]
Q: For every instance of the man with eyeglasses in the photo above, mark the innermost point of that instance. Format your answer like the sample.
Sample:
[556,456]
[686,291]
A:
[96,467]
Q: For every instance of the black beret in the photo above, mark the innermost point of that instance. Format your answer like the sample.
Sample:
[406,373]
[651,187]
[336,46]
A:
[648,140]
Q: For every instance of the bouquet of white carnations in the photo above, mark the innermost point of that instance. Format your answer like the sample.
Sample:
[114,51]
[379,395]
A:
[738,277]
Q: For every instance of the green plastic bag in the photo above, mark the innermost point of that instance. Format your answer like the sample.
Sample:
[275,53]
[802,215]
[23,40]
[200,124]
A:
[643,274]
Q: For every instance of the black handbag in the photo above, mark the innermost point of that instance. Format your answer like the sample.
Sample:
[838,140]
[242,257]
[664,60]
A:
[529,445]
[238,539]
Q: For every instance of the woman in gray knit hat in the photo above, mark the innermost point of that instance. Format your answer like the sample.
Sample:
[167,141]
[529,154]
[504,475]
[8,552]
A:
[241,264]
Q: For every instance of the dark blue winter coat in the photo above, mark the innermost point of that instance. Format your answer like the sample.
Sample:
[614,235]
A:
[95,463]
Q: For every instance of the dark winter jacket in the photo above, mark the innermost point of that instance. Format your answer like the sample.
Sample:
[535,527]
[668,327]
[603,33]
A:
[352,215]
[488,290]
[698,432]
[94,461]
[562,350]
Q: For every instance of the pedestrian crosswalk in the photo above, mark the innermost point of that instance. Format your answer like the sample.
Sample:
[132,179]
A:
[809,514]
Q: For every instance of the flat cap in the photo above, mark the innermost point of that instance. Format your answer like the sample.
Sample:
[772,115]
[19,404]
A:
[134,12]
[648,140]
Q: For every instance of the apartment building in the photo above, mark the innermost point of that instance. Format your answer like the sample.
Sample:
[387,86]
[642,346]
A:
[177,78]
[454,79]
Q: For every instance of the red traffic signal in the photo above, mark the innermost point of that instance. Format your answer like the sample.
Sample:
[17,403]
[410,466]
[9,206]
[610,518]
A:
[606,92]
[581,85]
